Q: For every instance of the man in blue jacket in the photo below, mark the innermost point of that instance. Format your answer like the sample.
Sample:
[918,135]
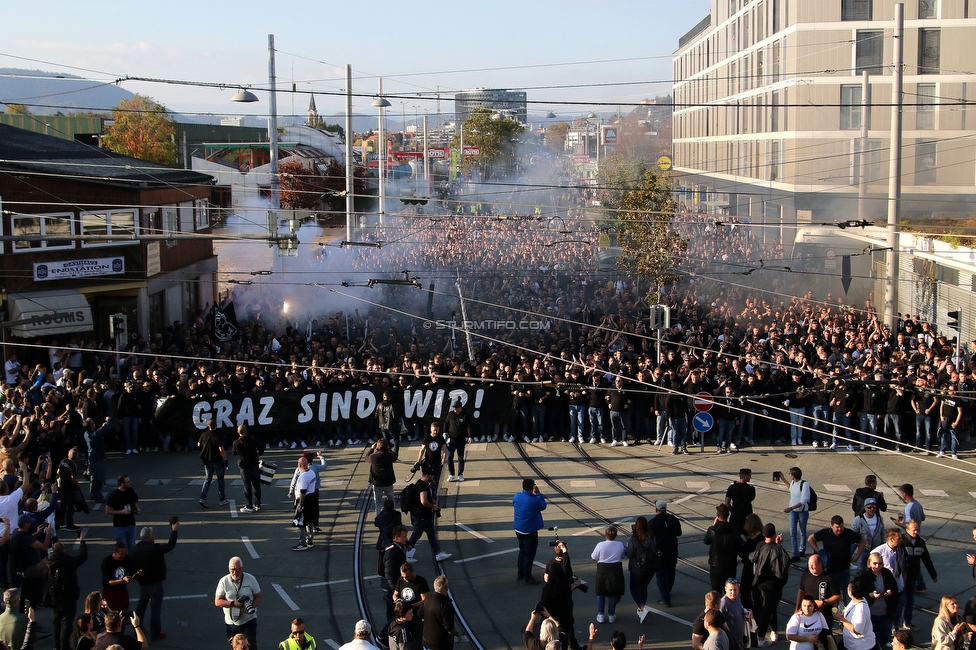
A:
[528,505]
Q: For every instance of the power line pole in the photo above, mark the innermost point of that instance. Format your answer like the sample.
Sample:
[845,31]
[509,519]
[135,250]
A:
[862,168]
[894,172]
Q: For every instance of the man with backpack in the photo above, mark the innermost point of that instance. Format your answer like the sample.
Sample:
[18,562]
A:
[802,501]
[424,513]
[60,572]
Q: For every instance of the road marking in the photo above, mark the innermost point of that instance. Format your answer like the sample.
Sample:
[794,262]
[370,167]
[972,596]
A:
[481,557]
[602,527]
[188,596]
[691,496]
[322,584]
[935,493]
[250,547]
[475,533]
[471,483]
[96,506]
[233,509]
[669,616]
[285,597]
[582,484]
[477,446]
[651,484]
[165,481]
[830,487]
[972,494]
[697,484]
[332,644]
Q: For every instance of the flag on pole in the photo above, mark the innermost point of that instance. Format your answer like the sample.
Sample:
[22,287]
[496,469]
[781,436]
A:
[225,322]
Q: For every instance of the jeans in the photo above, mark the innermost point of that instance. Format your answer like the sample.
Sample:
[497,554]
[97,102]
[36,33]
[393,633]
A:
[252,485]
[537,414]
[380,495]
[725,429]
[908,595]
[668,560]
[126,535]
[528,545]
[455,446]
[130,429]
[608,602]
[798,538]
[216,467]
[638,587]
[797,416]
[97,469]
[662,426]
[617,430]
[595,414]
[892,428]
[520,421]
[842,578]
[766,596]
[869,428]
[924,425]
[63,622]
[423,525]
[842,427]
[151,594]
[577,414]
[945,433]
[821,418]
[882,629]
[747,425]
[679,426]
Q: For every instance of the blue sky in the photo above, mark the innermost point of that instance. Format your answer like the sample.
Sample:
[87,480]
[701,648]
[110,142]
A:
[415,47]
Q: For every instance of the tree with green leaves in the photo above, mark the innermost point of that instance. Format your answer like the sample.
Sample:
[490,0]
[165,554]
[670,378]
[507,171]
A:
[17,109]
[494,136]
[144,129]
[556,136]
[643,215]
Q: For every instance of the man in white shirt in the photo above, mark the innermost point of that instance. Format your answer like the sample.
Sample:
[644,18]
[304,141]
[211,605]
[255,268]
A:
[239,595]
[798,510]
[361,640]
[308,505]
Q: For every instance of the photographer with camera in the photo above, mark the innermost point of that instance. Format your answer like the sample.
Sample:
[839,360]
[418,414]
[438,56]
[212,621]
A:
[528,505]
[557,593]
[239,595]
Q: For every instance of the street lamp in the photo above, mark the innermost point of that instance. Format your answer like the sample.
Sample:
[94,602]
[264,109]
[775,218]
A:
[380,103]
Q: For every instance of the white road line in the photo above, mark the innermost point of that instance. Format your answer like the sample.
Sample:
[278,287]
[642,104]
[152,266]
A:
[602,527]
[285,597]
[322,584]
[372,577]
[690,496]
[831,487]
[669,616]
[250,547]
[476,534]
[332,644]
[481,557]
[77,544]
[233,509]
[96,506]
[972,494]
[935,493]
[186,597]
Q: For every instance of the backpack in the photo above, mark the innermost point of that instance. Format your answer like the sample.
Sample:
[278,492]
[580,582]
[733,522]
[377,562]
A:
[647,557]
[409,499]
[57,584]
[812,505]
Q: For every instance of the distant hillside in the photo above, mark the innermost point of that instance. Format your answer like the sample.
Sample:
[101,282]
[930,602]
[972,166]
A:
[46,93]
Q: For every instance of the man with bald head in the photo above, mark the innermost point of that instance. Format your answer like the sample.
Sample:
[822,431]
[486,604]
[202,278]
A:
[820,586]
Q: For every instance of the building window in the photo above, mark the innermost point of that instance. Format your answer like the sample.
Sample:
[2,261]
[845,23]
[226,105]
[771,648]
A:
[56,227]
[928,8]
[925,162]
[925,111]
[201,208]
[929,51]
[869,51]
[855,10]
[118,222]
[850,107]
[171,224]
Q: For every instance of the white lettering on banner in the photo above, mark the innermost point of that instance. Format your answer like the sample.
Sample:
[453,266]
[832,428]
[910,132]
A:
[305,415]
[79,268]
[340,404]
[416,403]
[265,417]
[246,414]
[365,404]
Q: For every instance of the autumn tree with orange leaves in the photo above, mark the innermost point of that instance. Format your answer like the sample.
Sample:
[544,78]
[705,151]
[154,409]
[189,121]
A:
[143,129]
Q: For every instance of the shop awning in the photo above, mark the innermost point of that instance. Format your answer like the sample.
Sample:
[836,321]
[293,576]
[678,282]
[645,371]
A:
[43,313]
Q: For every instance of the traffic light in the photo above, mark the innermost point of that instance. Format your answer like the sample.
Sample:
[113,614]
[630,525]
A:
[117,328]
[954,318]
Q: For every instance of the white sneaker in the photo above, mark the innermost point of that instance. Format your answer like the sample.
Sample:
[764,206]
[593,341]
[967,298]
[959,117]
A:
[135,451]
[861,448]
[460,478]
[349,441]
[599,618]
[625,443]
[733,447]
[642,614]
[592,441]
[411,553]
[613,444]
[764,643]
[940,455]
[815,444]
[603,441]
[850,447]
[440,557]
[612,618]
[451,479]
[773,637]
[833,446]
[955,457]
[304,445]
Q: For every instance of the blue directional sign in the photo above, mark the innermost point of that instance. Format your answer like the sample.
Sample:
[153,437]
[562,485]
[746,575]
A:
[703,422]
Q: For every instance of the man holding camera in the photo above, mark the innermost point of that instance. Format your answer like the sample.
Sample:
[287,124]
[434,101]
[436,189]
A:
[239,595]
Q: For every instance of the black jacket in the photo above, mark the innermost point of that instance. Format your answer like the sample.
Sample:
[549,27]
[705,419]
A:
[867,578]
[917,554]
[151,559]
[393,558]
[725,545]
[65,589]
[438,615]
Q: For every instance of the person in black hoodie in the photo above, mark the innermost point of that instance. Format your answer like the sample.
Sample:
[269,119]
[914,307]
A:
[440,627]
[725,548]
[61,593]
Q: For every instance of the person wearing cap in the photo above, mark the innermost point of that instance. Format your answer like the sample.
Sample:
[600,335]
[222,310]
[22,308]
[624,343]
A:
[667,529]
[870,527]
[299,639]
[458,434]
[869,491]
[361,639]
[528,505]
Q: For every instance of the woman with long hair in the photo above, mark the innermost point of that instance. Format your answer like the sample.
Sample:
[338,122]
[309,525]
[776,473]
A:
[84,634]
[96,607]
[949,630]
[856,620]
[642,551]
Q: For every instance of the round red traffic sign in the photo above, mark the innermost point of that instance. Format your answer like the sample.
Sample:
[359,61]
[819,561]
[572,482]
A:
[704,401]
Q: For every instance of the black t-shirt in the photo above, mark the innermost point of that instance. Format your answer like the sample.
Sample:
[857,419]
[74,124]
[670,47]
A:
[742,495]
[838,547]
[820,587]
[125,641]
[432,450]
[117,500]
[969,615]
[422,511]
[698,627]
[410,591]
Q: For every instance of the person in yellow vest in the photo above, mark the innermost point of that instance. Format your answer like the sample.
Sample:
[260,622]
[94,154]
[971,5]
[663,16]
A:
[299,638]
